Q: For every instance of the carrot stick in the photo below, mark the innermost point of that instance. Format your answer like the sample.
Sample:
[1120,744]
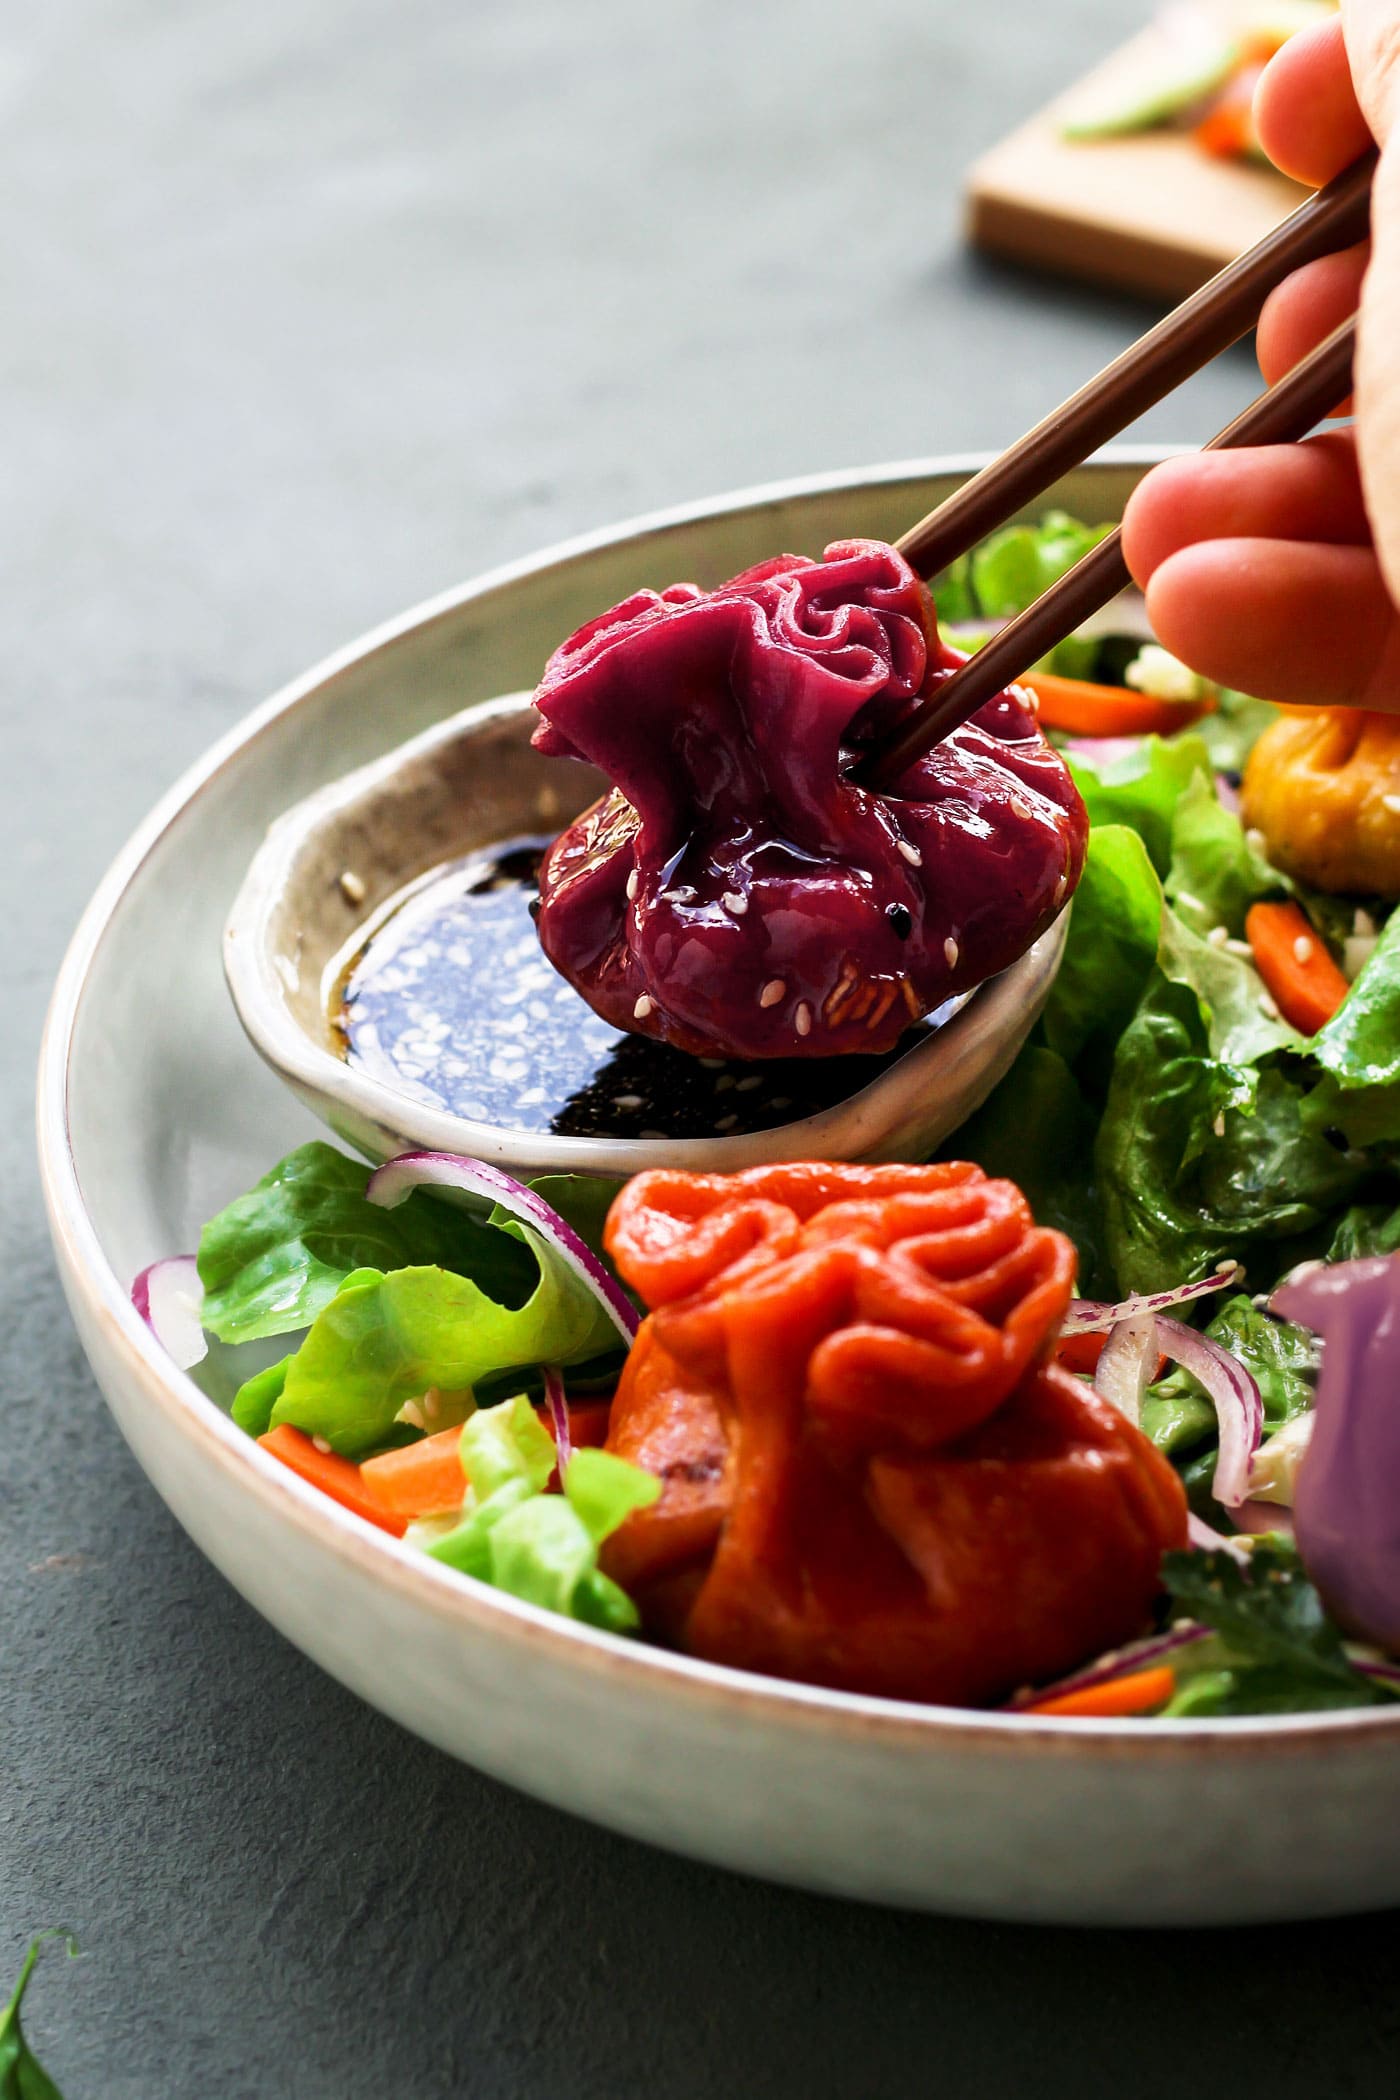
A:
[1083,709]
[421,1480]
[1137,1693]
[588,1422]
[335,1476]
[1298,972]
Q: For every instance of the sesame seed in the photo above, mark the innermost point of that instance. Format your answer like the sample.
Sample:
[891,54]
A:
[651,1133]
[1256,841]
[746,1086]
[1020,807]
[1061,886]
[1392,803]
[643,1008]
[432,1404]
[1267,1007]
[352,887]
[634,883]
[627,1101]
[712,1064]
[911,853]
[1302,949]
[802,1019]
[1227,1267]
[727,1123]
[772,992]
[950,952]
[1218,1126]
[724,1082]
[321,1445]
[1240,948]
[781,1101]
[412,1413]
[1363,926]
[1191,903]
[735,901]
[1218,936]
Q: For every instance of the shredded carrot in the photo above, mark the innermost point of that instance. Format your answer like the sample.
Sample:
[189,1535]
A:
[1137,1693]
[1227,128]
[1298,971]
[335,1476]
[422,1480]
[1083,709]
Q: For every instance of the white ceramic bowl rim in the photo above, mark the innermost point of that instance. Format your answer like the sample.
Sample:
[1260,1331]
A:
[438,1589]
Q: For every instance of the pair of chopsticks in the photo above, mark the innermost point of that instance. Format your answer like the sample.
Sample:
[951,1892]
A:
[1198,330]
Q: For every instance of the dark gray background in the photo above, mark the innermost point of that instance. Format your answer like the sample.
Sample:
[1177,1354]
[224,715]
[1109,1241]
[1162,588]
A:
[311,307]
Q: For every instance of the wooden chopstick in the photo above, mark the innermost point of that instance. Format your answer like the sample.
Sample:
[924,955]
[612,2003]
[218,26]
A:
[1187,338]
[1284,414]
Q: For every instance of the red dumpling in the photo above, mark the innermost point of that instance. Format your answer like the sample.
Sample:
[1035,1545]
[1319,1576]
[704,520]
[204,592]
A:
[738,892]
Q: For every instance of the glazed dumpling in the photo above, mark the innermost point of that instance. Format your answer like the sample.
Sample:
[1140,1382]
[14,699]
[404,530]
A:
[1323,786]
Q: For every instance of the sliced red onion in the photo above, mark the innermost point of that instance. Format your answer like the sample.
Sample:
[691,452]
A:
[1120,1663]
[170,1298]
[558,1419]
[1384,1673]
[1090,1316]
[1205,1540]
[449,1170]
[1126,1364]
[1239,1406]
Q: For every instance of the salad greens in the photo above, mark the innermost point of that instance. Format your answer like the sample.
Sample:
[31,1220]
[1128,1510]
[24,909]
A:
[542,1547]
[1277,1652]
[22,2076]
[271,1260]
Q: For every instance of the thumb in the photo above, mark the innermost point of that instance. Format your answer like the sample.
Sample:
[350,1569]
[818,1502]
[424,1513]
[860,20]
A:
[1372,32]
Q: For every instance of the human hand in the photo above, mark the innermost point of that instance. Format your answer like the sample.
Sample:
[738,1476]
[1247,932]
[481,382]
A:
[1276,570]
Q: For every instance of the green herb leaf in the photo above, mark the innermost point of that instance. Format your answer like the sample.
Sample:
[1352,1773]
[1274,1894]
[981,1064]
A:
[1270,1618]
[274,1258]
[1231,733]
[22,2076]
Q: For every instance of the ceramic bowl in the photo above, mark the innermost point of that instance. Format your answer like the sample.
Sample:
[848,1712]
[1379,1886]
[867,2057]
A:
[329,866]
[153,1112]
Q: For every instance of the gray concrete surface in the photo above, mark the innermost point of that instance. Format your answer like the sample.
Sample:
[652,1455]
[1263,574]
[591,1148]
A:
[310,308]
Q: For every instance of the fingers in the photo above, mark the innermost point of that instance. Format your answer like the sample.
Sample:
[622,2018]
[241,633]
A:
[1306,307]
[1309,120]
[1303,624]
[1309,492]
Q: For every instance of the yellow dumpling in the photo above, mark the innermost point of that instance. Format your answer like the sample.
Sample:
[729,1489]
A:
[1323,786]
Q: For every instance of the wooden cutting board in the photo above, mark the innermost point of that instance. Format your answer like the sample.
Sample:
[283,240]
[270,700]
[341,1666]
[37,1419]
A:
[1151,213]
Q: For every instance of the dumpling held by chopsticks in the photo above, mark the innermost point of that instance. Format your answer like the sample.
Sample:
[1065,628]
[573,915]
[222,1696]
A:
[739,892]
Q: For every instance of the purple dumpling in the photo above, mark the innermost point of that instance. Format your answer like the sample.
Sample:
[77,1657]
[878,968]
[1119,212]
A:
[739,893]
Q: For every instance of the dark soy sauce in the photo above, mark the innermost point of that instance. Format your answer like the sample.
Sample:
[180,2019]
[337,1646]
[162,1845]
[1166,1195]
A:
[452,1001]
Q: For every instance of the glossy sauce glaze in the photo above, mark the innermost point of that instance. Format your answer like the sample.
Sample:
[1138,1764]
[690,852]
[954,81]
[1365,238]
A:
[452,1001]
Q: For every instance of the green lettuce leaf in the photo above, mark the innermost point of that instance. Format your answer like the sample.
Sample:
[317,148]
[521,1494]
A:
[1284,1652]
[1231,733]
[271,1260]
[1199,1160]
[540,1547]
[1215,875]
[1013,567]
[22,2076]
[385,1339]
[1367,1228]
[1359,1052]
[257,1396]
[1142,787]
[1114,928]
